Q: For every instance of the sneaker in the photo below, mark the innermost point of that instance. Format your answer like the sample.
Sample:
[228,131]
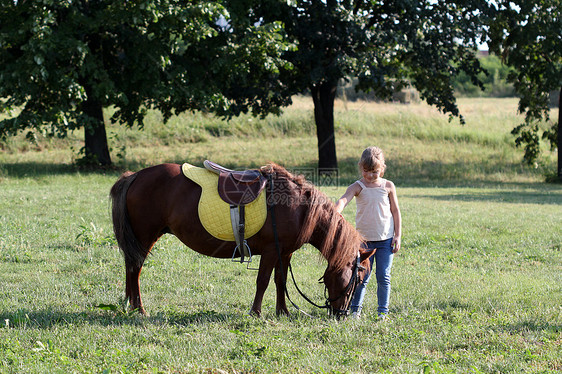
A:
[383,317]
[356,315]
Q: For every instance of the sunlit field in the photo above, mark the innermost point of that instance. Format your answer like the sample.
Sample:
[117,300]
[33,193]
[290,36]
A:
[477,287]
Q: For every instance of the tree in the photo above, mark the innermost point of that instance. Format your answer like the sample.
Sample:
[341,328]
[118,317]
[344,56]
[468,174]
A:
[386,44]
[528,36]
[64,61]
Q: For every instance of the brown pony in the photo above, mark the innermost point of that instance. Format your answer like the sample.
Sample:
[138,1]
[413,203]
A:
[160,199]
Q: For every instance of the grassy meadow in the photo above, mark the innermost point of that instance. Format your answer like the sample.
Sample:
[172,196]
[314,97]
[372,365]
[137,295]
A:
[477,287]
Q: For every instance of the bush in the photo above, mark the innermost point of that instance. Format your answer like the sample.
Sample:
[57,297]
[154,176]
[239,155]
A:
[495,82]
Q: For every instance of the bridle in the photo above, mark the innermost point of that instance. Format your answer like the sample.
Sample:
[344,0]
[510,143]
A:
[349,289]
[351,285]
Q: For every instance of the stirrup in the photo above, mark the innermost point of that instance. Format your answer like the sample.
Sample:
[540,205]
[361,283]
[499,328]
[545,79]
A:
[247,252]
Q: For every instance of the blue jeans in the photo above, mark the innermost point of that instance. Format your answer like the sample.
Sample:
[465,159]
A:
[383,259]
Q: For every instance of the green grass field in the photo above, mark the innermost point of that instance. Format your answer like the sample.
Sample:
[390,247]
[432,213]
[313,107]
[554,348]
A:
[477,287]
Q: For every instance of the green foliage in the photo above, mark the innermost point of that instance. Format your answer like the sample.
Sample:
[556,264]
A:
[230,58]
[62,62]
[90,235]
[526,35]
[56,54]
[386,45]
[494,79]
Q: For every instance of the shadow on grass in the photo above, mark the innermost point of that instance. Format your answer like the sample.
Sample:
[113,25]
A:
[45,319]
[548,197]
[48,318]
[531,325]
[437,174]
[403,173]
[42,169]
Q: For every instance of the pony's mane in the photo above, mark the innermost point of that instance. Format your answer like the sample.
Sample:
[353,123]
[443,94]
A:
[339,241]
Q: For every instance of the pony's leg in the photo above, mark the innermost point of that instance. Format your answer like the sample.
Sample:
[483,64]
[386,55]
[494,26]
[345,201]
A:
[281,276]
[132,278]
[267,263]
[132,288]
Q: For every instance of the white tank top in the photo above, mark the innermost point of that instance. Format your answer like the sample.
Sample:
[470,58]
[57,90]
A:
[374,218]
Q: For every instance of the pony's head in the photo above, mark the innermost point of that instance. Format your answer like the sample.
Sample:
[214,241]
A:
[341,283]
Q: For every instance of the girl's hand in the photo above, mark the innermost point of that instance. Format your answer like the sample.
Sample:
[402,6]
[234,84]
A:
[396,243]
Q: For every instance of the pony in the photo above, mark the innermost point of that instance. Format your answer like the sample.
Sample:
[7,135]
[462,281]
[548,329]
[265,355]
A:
[160,200]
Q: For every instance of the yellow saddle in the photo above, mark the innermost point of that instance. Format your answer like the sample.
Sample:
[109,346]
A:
[214,213]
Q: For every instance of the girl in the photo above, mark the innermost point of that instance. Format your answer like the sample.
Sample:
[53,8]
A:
[378,220]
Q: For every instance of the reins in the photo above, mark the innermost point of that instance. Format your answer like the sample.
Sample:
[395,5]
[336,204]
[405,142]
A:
[351,285]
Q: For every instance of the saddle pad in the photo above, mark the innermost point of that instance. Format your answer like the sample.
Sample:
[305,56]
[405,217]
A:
[214,213]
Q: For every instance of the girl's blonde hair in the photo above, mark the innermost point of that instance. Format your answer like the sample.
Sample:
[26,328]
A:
[371,159]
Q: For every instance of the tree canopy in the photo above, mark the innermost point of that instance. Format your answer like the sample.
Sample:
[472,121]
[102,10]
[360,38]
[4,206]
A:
[528,36]
[386,44]
[64,61]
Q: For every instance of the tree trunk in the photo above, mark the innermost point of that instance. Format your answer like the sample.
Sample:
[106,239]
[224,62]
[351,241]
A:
[560,135]
[323,96]
[96,147]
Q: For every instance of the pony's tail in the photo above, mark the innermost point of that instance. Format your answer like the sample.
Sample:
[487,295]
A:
[132,250]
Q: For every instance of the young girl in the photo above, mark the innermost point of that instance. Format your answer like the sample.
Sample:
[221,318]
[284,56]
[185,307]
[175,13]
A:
[378,220]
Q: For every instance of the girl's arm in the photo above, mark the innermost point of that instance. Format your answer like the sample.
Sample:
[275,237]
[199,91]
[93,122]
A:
[349,194]
[396,216]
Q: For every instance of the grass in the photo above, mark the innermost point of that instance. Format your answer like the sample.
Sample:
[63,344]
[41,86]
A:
[476,288]
[421,145]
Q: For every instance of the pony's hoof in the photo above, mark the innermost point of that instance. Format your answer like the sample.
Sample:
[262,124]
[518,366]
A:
[283,312]
[255,313]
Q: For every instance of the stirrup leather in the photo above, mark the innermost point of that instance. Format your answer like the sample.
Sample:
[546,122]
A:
[238,226]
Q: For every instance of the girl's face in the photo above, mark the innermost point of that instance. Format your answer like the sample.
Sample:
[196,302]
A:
[372,175]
